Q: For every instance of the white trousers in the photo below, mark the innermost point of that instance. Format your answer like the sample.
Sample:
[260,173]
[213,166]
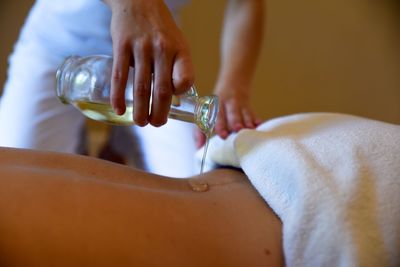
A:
[32,117]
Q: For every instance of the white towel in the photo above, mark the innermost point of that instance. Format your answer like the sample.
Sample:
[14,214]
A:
[333,179]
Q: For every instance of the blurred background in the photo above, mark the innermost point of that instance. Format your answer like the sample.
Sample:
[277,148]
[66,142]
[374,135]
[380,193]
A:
[337,56]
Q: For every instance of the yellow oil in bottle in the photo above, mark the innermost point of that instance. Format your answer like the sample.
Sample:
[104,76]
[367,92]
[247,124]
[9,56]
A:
[105,113]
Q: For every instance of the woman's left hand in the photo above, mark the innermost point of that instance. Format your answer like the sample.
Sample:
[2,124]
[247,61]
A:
[234,113]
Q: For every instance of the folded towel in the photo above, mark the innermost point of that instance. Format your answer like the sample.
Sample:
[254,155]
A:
[333,179]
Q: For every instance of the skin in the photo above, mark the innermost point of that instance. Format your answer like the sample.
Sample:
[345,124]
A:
[156,45]
[68,210]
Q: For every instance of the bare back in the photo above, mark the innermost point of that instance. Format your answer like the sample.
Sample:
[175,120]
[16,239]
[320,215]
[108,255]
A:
[68,210]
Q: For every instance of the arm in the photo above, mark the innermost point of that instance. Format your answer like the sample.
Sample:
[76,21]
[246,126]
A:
[145,36]
[240,47]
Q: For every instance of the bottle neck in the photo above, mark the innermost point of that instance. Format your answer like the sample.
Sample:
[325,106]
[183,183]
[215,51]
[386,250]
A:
[206,113]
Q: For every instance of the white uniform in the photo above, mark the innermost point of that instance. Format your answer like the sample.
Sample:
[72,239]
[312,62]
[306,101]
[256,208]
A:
[30,114]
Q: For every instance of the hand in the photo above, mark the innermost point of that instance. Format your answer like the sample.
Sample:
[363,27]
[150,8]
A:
[145,36]
[234,113]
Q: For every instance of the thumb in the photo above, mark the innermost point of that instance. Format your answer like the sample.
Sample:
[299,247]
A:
[200,138]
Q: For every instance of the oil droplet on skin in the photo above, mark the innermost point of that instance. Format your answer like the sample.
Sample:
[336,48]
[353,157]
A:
[198,185]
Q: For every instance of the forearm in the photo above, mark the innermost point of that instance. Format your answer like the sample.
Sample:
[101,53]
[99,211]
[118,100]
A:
[240,48]
[241,41]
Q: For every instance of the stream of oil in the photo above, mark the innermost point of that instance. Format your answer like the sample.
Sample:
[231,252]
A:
[197,184]
[203,159]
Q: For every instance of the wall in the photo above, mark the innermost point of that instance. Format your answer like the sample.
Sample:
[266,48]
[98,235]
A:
[12,15]
[339,56]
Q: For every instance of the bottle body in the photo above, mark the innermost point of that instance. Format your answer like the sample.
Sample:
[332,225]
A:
[85,83]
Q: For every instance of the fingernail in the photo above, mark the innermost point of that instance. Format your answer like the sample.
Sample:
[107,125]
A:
[117,111]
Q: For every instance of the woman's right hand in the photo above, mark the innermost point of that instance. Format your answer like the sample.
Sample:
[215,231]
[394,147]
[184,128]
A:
[145,36]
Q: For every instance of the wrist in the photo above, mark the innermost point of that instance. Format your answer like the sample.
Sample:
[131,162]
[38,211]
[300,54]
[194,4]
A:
[238,84]
[232,91]
[125,5]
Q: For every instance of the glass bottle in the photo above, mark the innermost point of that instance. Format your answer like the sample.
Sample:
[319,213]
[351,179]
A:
[85,83]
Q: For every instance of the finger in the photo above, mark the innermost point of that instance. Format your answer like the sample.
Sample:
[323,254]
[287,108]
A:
[182,74]
[119,77]
[234,117]
[200,138]
[220,125]
[162,90]
[142,84]
[248,118]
